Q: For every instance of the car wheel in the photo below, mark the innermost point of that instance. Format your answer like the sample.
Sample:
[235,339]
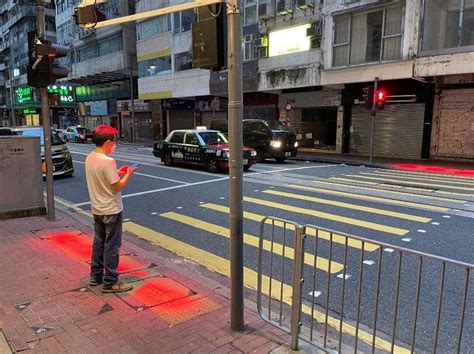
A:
[212,165]
[260,155]
[280,159]
[168,160]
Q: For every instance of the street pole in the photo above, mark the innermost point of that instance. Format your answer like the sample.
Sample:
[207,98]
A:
[132,102]
[40,23]
[234,66]
[12,93]
[373,112]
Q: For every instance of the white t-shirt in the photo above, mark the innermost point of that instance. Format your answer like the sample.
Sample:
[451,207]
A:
[101,173]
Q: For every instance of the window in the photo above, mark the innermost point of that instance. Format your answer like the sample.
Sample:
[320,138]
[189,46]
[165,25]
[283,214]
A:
[154,66]
[366,37]
[107,46]
[183,21]
[86,53]
[248,48]
[250,12]
[191,139]
[183,61]
[448,24]
[153,27]
[177,137]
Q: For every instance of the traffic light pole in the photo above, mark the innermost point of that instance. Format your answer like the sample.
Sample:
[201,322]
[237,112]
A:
[235,111]
[373,112]
[40,24]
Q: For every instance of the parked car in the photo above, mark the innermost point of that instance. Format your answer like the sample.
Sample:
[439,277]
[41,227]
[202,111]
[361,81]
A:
[271,139]
[62,159]
[207,148]
[78,134]
[5,131]
[61,133]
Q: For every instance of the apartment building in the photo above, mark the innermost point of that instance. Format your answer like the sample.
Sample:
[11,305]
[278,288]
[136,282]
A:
[17,18]
[103,70]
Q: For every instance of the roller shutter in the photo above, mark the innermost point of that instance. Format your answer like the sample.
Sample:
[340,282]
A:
[398,131]
[181,119]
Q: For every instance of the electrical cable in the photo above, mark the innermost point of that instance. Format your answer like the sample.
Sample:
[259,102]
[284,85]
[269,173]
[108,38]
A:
[218,12]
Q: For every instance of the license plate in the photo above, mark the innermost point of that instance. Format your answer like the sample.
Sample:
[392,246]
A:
[287,154]
[245,162]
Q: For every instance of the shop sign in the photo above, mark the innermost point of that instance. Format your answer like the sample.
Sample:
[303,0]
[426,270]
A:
[289,40]
[66,93]
[24,94]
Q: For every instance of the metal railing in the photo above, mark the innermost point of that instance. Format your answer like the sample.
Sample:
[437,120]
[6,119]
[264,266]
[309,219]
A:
[348,293]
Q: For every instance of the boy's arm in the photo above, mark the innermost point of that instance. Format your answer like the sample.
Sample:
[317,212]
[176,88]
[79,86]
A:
[117,187]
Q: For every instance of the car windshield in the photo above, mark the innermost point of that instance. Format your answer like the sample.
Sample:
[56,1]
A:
[276,125]
[213,138]
[55,139]
[83,130]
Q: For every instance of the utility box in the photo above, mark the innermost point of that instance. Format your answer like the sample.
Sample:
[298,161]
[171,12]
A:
[21,180]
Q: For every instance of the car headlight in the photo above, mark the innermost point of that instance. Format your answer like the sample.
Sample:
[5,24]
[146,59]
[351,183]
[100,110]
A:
[81,136]
[253,153]
[225,155]
[296,144]
[275,143]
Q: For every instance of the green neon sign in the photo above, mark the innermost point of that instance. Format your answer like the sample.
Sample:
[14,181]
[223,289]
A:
[24,94]
[66,93]
[30,111]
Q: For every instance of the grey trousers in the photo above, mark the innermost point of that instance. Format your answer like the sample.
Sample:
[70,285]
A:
[106,248]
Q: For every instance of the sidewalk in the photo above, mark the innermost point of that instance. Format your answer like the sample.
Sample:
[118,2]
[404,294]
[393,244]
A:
[47,306]
[431,166]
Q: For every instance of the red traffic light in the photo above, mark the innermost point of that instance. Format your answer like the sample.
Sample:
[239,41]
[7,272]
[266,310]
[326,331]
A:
[380,96]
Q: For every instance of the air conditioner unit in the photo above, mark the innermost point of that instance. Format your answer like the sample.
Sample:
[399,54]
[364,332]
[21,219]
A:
[315,30]
[315,42]
[262,52]
[281,7]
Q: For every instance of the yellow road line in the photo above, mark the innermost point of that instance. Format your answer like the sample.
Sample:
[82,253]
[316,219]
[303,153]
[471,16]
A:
[407,182]
[421,196]
[368,197]
[222,266]
[327,216]
[393,214]
[430,175]
[433,179]
[73,207]
[370,247]
[253,241]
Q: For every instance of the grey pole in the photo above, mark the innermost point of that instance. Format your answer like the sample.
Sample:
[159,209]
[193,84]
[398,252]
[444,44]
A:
[12,92]
[234,66]
[40,23]
[373,111]
[132,102]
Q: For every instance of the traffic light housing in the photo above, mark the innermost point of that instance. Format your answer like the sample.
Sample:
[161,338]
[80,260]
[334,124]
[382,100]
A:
[208,38]
[368,96]
[88,14]
[42,70]
[380,98]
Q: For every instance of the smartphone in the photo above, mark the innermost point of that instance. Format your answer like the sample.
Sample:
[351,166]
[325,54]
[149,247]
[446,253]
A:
[134,165]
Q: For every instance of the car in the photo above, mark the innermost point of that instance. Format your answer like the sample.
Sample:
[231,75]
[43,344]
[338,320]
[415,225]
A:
[208,148]
[78,134]
[62,159]
[4,131]
[61,133]
[270,138]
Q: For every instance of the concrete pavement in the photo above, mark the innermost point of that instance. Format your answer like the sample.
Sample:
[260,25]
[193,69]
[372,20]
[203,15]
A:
[47,305]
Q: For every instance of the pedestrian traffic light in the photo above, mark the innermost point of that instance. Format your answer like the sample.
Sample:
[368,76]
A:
[208,37]
[42,70]
[87,15]
[368,96]
[380,98]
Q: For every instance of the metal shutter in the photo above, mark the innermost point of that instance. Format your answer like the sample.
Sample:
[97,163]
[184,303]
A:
[181,119]
[398,131]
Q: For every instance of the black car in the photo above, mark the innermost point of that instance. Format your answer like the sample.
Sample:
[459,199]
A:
[271,139]
[62,159]
[208,148]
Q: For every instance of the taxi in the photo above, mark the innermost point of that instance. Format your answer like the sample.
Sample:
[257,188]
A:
[208,148]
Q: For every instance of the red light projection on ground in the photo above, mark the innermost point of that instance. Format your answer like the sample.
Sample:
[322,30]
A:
[434,169]
[71,244]
[156,291]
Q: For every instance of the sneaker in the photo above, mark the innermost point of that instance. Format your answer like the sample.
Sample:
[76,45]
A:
[95,282]
[117,288]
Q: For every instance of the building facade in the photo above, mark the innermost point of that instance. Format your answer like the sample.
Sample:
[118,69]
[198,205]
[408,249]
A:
[17,18]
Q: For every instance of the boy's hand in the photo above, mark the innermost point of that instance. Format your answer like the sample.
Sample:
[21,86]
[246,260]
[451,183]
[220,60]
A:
[122,170]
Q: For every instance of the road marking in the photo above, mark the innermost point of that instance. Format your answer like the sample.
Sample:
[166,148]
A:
[327,216]
[378,211]
[222,266]
[315,293]
[434,179]
[406,239]
[369,247]
[342,276]
[369,262]
[421,231]
[409,182]
[447,216]
[389,250]
[164,189]
[368,197]
[435,223]
[253,241]
[441,199]
[404,187]
[288,169]
[430,175]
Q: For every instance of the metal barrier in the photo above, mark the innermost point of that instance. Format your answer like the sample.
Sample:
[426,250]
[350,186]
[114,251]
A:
[339,291]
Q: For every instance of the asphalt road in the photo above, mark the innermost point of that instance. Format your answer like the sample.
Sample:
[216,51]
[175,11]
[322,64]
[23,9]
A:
[423,212]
